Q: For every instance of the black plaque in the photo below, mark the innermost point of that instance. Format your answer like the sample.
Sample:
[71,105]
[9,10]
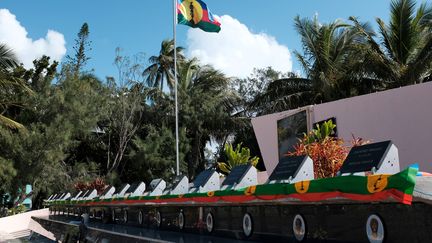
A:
[364,158]
[154,183]
[236,174]
[76,194]
[289,130]
[86,193]
[106,190]
[287,167]
[202,178]
[133,187]
[119,189]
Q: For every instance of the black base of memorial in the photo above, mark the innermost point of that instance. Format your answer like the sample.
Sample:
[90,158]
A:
[295,222]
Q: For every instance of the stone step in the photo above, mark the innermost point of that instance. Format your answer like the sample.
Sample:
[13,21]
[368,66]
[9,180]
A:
[20,234]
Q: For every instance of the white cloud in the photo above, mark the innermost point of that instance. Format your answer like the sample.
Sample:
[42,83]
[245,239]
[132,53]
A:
[235,50]
[13,34]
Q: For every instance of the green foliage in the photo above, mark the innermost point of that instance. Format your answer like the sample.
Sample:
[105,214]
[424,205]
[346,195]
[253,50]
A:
[7,174]
[345,59]
[206,106]
[81,47]
[327,152]
[9,87]
[8,59]
[17,210]
[154,155]
[42,155]
[327,60]
[403,56]
[125,111]
[161,68]
[238,156]
[321,132]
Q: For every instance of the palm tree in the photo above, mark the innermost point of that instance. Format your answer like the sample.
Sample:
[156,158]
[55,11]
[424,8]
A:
[404,55]
[283,94]
[8,85]
[161,67]
[206,105]
[7,58]
[326,60]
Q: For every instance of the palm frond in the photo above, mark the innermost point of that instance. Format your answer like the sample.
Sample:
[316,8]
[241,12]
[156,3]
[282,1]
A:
[366,31]
[10,123]
[284,93]
[8,60]
[403,38]
[423,17]
[421,66]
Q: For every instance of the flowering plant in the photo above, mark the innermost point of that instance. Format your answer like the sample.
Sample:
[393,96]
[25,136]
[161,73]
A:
[328,153]
[98,184]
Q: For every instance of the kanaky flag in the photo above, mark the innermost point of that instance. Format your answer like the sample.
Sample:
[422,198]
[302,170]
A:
[195,14]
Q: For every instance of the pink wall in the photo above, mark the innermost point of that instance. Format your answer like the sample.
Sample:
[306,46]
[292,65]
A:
[403,115]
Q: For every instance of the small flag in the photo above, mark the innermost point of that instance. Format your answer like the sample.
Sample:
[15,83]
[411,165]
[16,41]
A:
[195,14]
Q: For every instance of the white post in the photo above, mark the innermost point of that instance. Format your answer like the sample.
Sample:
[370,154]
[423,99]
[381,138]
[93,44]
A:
[175,86]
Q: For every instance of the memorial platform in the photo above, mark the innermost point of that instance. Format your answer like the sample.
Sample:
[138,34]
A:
[370,200]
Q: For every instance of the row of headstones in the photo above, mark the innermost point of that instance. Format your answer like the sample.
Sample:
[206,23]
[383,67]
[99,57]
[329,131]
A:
[206,181]
[375,158]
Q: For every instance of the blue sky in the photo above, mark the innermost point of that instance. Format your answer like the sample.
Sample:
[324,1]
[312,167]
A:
[140,26]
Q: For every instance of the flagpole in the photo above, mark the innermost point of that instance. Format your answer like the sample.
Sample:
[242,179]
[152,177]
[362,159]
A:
[175,88]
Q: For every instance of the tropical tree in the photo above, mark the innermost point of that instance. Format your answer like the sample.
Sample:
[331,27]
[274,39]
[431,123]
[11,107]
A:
[9,85]
[253,86]
[404,54]
[128,97]
[327,61]
[206,107]
[41,154]
[283,94]
[81,47]
[161,67]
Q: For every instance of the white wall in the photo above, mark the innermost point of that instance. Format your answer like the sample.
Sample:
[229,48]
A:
[403,115]
[20,222]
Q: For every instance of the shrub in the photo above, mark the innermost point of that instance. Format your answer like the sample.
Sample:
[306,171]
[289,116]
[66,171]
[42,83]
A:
[98,184]
[235,157]
[20,208]
[328,153]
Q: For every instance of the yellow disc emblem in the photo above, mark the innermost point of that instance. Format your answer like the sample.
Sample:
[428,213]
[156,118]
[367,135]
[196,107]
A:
[210,194]
[250,190]
[180,195]
[302,186]
[377,183]
[191,10]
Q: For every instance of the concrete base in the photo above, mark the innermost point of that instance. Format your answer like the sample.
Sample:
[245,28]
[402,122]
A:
[17,226]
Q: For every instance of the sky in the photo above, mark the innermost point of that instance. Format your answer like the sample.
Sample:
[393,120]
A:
[255,34]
